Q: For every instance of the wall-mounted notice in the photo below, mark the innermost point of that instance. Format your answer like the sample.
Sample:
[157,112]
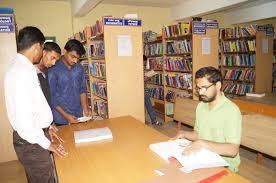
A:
[265,45]
[199,27]
[212,25]
[124,45]
[132,22]
[206,46]
[114,21]
[6,23]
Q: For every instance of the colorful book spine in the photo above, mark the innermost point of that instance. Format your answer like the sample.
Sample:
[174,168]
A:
[182,81]
[179,64]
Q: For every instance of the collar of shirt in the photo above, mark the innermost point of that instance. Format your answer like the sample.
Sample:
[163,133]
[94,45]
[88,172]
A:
[38,71]
[24,60]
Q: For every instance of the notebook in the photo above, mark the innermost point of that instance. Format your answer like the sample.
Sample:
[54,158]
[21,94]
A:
[91,135]
[174,148]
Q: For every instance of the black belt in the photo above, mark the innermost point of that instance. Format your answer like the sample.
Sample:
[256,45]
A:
[45,129]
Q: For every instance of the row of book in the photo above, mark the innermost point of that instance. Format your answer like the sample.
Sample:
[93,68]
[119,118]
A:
[154,63]
[178,47]
[171,95]
[237,88]
[96,49]
[100,108]
[239,46]
[182,81]
[97,69]
[240,74]
[80,36]
[246,60]
[238,32]
[96,29]
[156,79]
[99,89]
[85,66]
[156,92]
[153,49]
[179,64]
[176,30]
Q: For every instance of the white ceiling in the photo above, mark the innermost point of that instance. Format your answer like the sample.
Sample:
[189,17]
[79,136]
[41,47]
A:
[153,3]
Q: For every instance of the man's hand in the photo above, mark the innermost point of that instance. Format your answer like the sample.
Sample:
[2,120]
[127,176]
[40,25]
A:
[58,149]
[71,119]
[53,134]
[180,135]
[194,147]
[87,112]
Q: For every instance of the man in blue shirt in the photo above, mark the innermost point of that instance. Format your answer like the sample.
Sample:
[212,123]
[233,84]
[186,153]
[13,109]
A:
[68,86]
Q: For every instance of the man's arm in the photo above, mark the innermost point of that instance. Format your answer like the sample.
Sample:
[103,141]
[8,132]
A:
[83,97]
[224,149]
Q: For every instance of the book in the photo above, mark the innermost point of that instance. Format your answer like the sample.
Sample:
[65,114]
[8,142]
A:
[201,159]
[255,94]
[92,135]
[150,73]
[84,119]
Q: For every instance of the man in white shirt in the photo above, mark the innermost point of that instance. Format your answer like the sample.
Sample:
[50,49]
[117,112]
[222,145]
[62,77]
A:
[28,111]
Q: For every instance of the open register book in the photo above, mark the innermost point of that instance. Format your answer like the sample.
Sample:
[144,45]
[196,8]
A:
[202,159]
[92,135]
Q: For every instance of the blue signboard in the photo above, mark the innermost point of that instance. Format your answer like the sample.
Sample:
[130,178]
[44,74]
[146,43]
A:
[6,23]
[199,27]
[131,22]
[269,31]
[114,21]
[212,25]
[6,28]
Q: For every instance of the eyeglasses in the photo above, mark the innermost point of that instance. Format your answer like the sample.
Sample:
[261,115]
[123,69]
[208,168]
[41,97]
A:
[204,88]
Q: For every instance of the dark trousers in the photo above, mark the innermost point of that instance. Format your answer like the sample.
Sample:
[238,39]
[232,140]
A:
[36,160]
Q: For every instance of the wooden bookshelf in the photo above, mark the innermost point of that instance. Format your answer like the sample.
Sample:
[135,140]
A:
[182,57]
[244,45]
[274,67]
[115,82]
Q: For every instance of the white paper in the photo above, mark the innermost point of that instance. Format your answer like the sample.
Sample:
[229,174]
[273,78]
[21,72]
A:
[84,119]
[124,45]
[265,45]
[202,159]
[150,73]
[92,135]
[206,46]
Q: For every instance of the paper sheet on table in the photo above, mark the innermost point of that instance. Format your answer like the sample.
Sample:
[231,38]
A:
[202,159]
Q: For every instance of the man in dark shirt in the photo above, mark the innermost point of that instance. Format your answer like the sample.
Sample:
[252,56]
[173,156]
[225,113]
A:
[68,86]
[51,53]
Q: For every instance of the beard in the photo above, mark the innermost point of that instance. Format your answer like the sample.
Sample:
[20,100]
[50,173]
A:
[206,99]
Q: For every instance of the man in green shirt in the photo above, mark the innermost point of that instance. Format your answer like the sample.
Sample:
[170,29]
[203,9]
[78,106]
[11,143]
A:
[218,120]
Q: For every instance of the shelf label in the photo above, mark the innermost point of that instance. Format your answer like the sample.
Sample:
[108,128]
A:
[212,25]
[199,27]
[132,22]
[114,21]
[6,23]
[269,31]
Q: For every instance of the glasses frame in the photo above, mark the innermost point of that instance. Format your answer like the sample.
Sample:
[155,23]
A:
[204,88]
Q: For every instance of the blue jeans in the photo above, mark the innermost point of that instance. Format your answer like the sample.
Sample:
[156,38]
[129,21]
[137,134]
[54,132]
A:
[149,109]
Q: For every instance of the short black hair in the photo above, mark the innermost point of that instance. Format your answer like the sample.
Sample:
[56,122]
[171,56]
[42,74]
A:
[28,36]
[213,74]
[52,46]
[75,45]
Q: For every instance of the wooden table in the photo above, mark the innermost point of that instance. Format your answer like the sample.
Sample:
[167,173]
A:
[125,159]
[264,105]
